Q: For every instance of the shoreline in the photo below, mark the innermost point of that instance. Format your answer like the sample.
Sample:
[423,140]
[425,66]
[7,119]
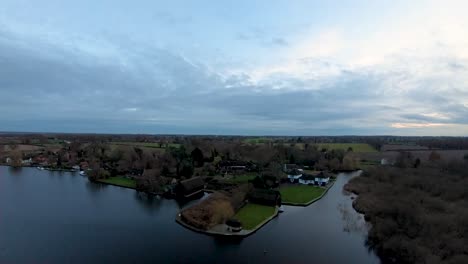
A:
[243,233]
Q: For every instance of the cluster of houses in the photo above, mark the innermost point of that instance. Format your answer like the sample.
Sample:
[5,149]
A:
[299,176]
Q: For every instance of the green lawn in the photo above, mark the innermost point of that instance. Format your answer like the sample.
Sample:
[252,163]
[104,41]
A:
[251,215]
[259,140]
[300,194]
[357,147]
[240,178]
[121,181]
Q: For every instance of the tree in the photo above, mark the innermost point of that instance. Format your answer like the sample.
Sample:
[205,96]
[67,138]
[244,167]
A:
[466,156]
[292,160]
[16,158]
[179,156]
[434,156]
[197,157]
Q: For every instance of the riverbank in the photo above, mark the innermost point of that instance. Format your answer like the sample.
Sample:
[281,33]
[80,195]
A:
[119,181]
[222,230]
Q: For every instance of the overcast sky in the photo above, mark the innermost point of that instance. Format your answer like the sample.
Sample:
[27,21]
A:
[234,67]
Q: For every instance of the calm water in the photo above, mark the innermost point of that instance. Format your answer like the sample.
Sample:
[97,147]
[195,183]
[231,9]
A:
[55,217]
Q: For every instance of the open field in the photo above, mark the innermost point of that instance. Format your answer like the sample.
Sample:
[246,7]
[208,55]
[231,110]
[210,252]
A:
[423,155]
[300,194]
[21,147]
[401,147]
[257,140]
[120,181]
[251,215]
[357,147]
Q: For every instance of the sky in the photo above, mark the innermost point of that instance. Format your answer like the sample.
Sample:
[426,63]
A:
[347,67]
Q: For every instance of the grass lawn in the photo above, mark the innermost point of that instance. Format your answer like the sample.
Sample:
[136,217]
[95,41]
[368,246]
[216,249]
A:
[300,194]
[259,140]
[357,147]
[240,178]
[121,181]
[252,215]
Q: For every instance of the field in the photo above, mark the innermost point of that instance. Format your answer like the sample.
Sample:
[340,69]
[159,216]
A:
[259,140]
[251,215]
[357,147]
[120,181]
[300,194]
[401,147]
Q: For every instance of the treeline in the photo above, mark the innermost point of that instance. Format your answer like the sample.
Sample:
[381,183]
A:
[418,214]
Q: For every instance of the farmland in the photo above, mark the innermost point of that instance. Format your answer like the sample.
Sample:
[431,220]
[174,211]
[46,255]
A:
[356,147]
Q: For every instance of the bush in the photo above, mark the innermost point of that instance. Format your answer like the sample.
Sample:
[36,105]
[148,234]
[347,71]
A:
[212,211]
[98,174]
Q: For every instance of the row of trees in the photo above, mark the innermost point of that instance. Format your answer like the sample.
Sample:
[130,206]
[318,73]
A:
[418,213]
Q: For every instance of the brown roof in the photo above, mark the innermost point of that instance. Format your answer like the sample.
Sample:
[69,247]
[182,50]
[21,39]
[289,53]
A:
[192,184]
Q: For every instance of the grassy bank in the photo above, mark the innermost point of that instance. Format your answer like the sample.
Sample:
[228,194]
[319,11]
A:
[120,181]
[251,215]
[300,194]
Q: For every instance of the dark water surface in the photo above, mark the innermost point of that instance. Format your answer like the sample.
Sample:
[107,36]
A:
[58,217]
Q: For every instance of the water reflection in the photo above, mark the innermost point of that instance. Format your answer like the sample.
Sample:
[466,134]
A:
[151,203]
[94,188]
[15,170]
[109,224]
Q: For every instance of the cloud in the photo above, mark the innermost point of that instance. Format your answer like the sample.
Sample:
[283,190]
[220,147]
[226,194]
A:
[405,80]
[417,125]
[279,41]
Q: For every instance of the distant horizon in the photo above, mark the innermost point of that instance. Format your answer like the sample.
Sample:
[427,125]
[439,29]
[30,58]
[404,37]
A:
[214,135]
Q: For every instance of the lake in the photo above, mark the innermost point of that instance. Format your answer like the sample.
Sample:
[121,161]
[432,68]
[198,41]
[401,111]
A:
[61,217]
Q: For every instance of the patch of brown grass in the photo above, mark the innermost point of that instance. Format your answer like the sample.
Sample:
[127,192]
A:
[212,211]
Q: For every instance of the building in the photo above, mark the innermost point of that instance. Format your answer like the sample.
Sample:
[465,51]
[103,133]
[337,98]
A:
[307,179]
[41,160]
[322,179]
[190,187]
[235,165]
[294,175]
[233,225]
[289,167]
[27,162]
[84,165]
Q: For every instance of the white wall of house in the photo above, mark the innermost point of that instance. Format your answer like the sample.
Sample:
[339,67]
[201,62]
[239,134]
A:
[294,178]
[322,180]
[301,181]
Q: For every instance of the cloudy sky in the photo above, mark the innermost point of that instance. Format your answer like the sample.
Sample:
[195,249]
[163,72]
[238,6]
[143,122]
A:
[235,67]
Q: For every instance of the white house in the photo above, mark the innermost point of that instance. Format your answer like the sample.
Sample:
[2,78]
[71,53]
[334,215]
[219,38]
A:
[307,179]
[294,175]
[27,162]
[322,179]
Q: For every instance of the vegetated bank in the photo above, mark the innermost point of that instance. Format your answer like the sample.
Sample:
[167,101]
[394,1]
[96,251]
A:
[418,211]
[238,212]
